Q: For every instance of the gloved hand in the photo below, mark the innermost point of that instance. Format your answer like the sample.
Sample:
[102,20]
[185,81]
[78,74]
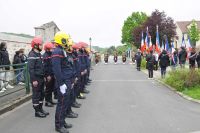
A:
[63,88]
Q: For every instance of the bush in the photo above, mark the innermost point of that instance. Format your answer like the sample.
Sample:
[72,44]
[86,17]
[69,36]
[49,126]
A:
[143,63]
[183,79]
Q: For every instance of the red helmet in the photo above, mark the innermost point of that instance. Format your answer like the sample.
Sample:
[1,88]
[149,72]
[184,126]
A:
[83,44]
[36,41]
[76,46]
[48,45]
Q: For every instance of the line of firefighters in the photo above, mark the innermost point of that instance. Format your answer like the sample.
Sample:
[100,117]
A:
[64,70]
[106,57]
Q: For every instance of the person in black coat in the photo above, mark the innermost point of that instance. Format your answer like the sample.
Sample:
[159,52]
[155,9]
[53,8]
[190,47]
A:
[163,62]
[36,71]
[18,72]
[192,59]
[138,57]
[4,60]
[49,75]
[198,60]
[182,57]
[150,63]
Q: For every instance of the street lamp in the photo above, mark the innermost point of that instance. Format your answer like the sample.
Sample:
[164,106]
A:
[90,39]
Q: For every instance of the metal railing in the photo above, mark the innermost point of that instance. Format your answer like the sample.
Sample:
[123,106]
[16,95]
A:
[23,71]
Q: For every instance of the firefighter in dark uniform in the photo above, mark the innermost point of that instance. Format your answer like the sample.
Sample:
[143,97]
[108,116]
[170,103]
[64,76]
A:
[88,63]
[138,57]
[49,76]
[72,75]
[62,70]
[77,76]
[115,57]
[84,66]
[36,71]
[123,57]
[106,58]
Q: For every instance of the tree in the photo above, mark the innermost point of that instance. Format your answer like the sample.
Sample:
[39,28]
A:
[165,24]
[194,33]
[132,22]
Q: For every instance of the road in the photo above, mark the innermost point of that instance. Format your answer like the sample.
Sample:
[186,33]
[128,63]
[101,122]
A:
[121,100]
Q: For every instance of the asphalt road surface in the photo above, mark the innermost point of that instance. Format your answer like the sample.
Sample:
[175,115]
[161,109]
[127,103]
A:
[121,100]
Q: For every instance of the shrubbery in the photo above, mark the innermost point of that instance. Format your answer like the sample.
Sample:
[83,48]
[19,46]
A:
[143,63]
[183,79]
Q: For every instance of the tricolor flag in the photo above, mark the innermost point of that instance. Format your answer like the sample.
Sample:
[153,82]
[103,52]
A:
[188,45]
[167,45]
[150,44]
[146,39]
[163,47]
[157,40]
[142,46]
[183,42]
[172,47]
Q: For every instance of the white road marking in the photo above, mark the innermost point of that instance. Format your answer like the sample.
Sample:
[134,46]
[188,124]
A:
[121,80]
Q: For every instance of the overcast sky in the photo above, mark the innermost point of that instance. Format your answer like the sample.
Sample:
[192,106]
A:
[100,19]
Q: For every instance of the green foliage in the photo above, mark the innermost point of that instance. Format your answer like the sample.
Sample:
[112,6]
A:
[99,49]
[132,22]
[194,32]
[183,79]
[143,63]
[193,92]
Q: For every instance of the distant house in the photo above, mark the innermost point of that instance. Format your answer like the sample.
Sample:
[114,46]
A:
[47,31]
[182,30]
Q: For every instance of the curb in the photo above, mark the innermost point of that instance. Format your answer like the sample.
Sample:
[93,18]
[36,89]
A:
[174,90]
[15,104]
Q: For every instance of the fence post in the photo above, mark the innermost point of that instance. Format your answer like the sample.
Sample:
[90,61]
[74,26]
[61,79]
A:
[27,80]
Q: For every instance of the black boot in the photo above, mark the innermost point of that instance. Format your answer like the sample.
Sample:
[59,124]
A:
[62,130]
[43,111]
[71,114]
[49,104]
[76,105]
[38,113]
[67,125]
[85,91]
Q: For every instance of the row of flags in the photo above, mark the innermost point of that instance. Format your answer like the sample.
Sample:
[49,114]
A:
[146,45]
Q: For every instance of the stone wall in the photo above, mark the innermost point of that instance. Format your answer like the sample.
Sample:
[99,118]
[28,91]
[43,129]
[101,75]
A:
[15,43]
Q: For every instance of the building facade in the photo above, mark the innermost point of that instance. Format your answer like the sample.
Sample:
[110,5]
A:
[14,43]
[182,28]
[47,31]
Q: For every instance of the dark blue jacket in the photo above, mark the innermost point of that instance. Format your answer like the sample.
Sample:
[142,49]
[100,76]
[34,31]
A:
[76,64]
[82,60]
[35,66]
[47,58]
[62,66]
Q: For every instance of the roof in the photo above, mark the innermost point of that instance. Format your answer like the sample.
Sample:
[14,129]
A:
[47,25]
[183,25]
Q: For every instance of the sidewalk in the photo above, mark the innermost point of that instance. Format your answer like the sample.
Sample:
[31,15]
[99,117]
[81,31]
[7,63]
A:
[12,98]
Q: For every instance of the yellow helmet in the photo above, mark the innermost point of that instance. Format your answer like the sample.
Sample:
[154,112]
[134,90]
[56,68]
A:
[61,38]
[87,50]
[70,41]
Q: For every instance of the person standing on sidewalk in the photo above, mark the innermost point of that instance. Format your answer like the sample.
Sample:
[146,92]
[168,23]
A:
[138,57]
[150,63]
[49,76]
[192,58]
[182,57]
[19,71]
[164,62]
[36,71]
[156,60]
[174,60]
[4,60]
[62,67]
